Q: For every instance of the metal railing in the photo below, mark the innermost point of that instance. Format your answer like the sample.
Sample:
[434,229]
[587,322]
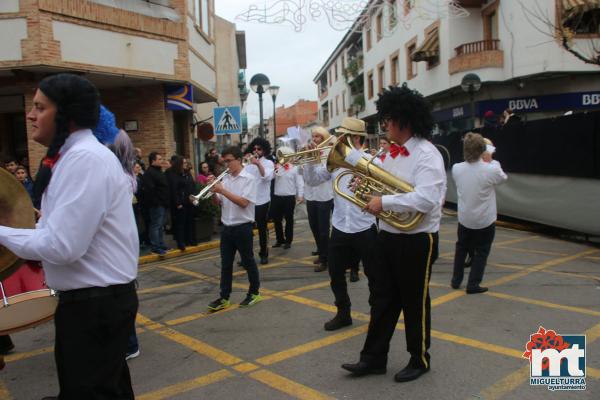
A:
[478,47]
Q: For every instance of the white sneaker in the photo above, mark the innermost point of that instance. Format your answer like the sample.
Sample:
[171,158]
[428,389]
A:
[129,356]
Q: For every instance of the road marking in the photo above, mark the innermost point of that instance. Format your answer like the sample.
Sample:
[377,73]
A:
[544,303]
[287,386]
[29,354]
[245,367]
[318,285]
[190,342]
[167,287]
[506,384]
[186,386]
[311,346]
[4,393]
[193,317]
[543,252]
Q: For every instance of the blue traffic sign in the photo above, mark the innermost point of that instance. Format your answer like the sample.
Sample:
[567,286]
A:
[228,120]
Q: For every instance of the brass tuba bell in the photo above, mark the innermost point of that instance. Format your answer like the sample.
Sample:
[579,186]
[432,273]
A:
[373,180]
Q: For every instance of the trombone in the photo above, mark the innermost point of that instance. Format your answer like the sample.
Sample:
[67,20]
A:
[311,156]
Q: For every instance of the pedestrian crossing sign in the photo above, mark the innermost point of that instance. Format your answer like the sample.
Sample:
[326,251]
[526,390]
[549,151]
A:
[228,120]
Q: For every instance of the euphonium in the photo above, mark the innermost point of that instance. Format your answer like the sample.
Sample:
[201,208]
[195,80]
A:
[373,181]
[310,156]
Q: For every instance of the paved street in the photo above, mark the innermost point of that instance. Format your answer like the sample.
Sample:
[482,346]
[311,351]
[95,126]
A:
[279,350]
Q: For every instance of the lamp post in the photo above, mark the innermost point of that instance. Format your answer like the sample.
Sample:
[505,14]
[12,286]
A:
[471,84]
[260,84]
[274,90]
[243,98]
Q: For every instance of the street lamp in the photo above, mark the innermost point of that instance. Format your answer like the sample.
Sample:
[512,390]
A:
[274,90]
[260,84]
[471,84]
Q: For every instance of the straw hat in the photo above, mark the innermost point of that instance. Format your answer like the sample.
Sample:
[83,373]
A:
[319,130]
[353,126]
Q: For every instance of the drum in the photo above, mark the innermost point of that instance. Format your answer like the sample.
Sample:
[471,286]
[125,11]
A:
[16,211]
[26,301]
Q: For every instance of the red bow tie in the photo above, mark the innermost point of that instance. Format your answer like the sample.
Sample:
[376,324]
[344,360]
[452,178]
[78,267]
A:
[49,162]
[395,150]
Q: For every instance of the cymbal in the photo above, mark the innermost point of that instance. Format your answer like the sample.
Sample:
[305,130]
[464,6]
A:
[16,211]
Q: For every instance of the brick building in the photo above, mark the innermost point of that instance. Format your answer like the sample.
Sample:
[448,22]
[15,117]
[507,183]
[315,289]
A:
[137,52]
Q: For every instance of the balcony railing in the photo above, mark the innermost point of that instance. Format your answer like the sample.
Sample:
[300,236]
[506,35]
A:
[478,47]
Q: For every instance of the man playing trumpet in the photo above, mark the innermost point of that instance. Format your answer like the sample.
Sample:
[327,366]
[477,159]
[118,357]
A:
[399,281]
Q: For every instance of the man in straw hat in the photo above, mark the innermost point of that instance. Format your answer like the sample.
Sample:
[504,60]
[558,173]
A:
[399,282]
[352,229]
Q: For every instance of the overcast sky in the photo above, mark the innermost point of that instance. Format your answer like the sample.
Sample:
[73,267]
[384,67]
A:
[290,59]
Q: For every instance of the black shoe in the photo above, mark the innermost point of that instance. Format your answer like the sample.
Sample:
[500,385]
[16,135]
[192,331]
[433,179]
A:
[314,253]
[287,246]
[362,368]
[6,345]
[410,373]
[477,289]
[354,275]
[454,285]
[321,267]
[181,248]
[264,260]
[50,398]
[278,244]
[341,319]
[317,261]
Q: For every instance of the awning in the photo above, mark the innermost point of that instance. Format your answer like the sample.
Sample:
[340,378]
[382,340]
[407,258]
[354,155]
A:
[572,8]
[430,49]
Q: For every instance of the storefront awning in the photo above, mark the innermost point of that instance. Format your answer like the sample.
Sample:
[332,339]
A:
[572,8]
[430,49]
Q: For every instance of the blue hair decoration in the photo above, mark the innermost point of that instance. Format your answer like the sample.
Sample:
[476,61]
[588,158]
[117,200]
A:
[106,131]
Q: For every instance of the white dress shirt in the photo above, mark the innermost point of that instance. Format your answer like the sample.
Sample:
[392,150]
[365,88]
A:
[288,182]
[347,216]
[476,194]
[87,234]
[263,185]
[424,169]
[243,185]
[319,192]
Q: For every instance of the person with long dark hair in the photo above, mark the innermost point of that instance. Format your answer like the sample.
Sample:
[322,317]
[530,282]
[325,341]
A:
[86,239]
[177,198]
[400,280]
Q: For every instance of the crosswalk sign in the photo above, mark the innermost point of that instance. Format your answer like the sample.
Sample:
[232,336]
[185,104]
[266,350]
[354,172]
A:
[228,120]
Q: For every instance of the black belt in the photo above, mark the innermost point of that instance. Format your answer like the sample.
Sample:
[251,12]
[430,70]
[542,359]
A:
[91,292]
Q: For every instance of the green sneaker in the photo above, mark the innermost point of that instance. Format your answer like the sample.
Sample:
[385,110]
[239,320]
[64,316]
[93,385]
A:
[219,304]
[250,300]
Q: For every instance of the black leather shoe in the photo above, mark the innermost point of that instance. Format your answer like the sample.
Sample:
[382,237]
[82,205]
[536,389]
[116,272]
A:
[264,260]
[341,319]
[321,267]
[287,246]
[278,244]
[454,285]
[362,368]
[314,253]
[410,374]
[317,261]
[477,289]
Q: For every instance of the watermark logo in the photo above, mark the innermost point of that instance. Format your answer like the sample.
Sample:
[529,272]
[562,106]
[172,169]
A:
[556,361]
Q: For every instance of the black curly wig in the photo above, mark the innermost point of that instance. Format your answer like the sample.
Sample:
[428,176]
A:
[262,143]
[408,108]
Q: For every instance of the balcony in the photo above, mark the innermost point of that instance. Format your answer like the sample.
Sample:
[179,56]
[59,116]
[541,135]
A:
[476,55]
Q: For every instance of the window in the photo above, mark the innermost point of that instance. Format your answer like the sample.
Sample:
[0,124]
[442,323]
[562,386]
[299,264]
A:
[343,63]
[395,69]
[329,76]
[581,20]
[411,66]
[344,101]
[202,16]
[370,84]
[337,105]
[490,21]
[393,19]
[335,71]
[380,77]
[368,39]
[379,25]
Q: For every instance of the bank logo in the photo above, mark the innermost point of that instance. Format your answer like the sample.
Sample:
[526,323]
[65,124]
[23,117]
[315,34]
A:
[556,361]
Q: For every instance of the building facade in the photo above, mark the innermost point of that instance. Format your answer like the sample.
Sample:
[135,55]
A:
[509,44]
[151,60]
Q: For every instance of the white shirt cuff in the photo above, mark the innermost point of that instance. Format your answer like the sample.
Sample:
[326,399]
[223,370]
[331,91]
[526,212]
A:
[354,157]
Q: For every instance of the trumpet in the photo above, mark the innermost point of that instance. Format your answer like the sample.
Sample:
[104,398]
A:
[372,180]
[310,156]
[205,193]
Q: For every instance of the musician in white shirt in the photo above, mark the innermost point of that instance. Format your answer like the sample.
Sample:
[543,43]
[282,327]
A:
[400,280]
[319,203]
[289,190]
[237,195]
[86,239]
[263,170]
[353,231]
[475,179]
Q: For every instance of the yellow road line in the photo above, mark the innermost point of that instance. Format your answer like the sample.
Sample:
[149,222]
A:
[512,241]
[287,386]
[193,317]
[310,346]
[186,386]
[544,303]
[21,356]
[478,344]
[4,393]
[190,342]
[318,285]
[262,267]
[245,367]
[506,384]
[543,252]
[167,287]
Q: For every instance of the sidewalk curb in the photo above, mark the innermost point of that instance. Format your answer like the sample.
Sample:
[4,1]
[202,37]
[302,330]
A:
[213,244]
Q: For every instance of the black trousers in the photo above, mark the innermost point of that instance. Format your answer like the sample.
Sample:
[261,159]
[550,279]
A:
[261,215]
[341,253]
[399,282]
[319,218]
[237,238]
[478,243]
[283,207]
[91,341]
